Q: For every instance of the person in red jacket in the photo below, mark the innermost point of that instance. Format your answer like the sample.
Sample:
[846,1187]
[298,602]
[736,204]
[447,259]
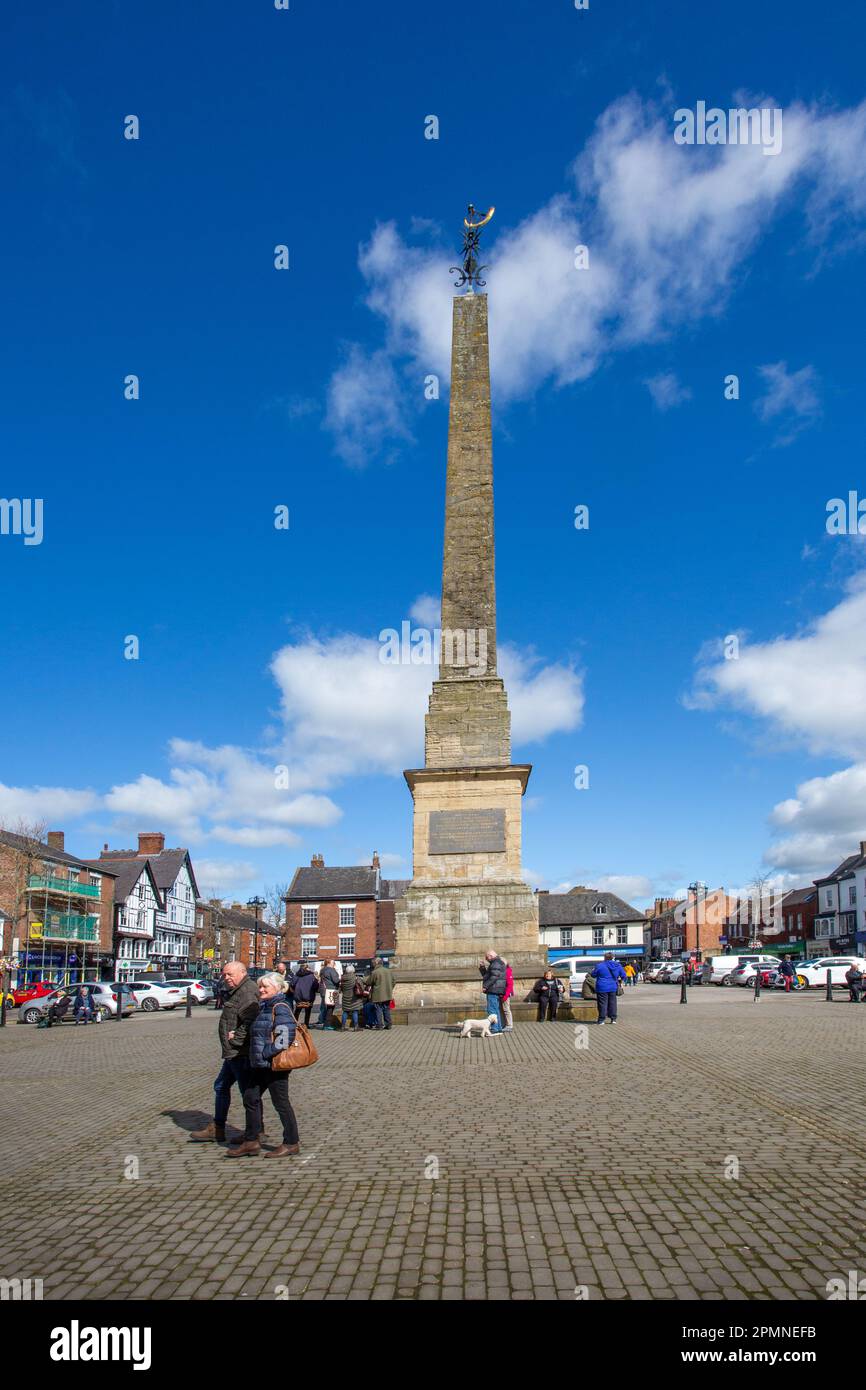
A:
[507,1020]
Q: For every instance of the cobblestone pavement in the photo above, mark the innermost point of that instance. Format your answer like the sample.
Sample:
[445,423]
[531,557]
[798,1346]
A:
[563,1171]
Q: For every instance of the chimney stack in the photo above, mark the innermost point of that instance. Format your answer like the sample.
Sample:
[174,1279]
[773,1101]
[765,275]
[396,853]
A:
[317,862]
[863,846]
[54,839]
[376,864]
[151,843]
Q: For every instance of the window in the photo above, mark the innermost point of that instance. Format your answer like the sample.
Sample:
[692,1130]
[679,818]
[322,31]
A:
[598,936]
[121,917]
[309,945]
[600,910]
[565,936]
[852,894]
[799,923]
[347,916]
[347,946]
[828,897]
[622,936]
[95,880]
[309,916]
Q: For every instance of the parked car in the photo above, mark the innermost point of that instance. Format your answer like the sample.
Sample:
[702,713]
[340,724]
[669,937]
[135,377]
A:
[722,968]
[103,996]
[813,973]
[655,968]
[151,996]
[28,992]
[201,990]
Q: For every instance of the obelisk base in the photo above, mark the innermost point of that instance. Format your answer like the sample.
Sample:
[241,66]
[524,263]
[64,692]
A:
[443,932]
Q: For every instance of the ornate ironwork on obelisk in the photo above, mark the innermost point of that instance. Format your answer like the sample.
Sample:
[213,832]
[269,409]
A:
[470,272]
[467,894]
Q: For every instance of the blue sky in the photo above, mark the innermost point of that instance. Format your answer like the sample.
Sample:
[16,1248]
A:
[305,388]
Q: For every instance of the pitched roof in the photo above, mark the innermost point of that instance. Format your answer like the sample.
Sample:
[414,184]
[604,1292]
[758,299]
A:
[574,909]
[798,895]
[166,865]
[854,861]
[393,887]
[54,856]
[240,921]
[127,873]
[357,881]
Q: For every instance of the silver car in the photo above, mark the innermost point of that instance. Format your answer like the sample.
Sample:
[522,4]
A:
[103,998]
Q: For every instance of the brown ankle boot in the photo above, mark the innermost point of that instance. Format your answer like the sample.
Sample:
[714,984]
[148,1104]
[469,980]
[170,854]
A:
[283,1151]
[213,1132]
[247,1147]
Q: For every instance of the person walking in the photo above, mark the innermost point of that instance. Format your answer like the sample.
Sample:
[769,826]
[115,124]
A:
[607,976]
[272,1030]
[329,989]
[240,1007]
[854,979]
[493,981]
[788,973]
[630,974]
[305,990]
[548,992]
[351,997]
[381,985]
[507,1020]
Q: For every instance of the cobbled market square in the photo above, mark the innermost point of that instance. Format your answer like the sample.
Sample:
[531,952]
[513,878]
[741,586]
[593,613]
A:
[435,1168]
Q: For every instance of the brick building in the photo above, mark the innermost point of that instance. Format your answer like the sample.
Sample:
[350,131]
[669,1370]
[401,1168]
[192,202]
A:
[57,911]
[226,932]
[347,913]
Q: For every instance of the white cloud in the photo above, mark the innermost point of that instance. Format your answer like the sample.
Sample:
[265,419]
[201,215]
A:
[811,686]
[667,390]
[348,713]
[793,396]
[219,877]
[625,886]
[668,228]
[32,805]
[426,611]
[366,410]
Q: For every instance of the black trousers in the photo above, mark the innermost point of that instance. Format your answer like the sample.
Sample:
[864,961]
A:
[547,1010]
[259,1081]
[303,1009]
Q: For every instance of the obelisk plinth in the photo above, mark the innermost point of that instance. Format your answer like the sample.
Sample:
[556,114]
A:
[467,894]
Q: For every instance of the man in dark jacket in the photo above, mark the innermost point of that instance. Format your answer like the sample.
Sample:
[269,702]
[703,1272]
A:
[305,989]
[240,1008]
[493,982]
[788,973]
[380,982]
[283,968]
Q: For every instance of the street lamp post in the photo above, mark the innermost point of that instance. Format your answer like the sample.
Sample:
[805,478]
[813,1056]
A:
[256,904]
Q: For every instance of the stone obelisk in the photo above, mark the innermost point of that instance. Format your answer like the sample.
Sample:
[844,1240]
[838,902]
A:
[467,894]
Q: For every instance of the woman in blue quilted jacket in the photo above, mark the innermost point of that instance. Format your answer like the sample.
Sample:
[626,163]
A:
[607,975]
[272,1030]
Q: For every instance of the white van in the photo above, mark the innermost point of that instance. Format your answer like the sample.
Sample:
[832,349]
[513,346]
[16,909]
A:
[578,968]
[719,969]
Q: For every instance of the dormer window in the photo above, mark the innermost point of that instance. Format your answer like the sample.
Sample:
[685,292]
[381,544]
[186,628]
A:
[600,910]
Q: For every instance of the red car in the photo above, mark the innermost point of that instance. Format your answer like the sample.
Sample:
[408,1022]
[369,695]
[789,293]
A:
[28,992]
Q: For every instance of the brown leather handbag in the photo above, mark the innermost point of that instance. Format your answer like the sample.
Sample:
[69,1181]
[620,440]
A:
[300,1053]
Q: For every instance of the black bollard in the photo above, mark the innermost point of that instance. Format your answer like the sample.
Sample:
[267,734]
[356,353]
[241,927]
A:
[757,984]
[188,1002]
[829,995]
[683,996]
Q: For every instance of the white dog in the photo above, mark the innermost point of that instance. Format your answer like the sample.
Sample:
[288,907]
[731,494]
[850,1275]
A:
[479,1025]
